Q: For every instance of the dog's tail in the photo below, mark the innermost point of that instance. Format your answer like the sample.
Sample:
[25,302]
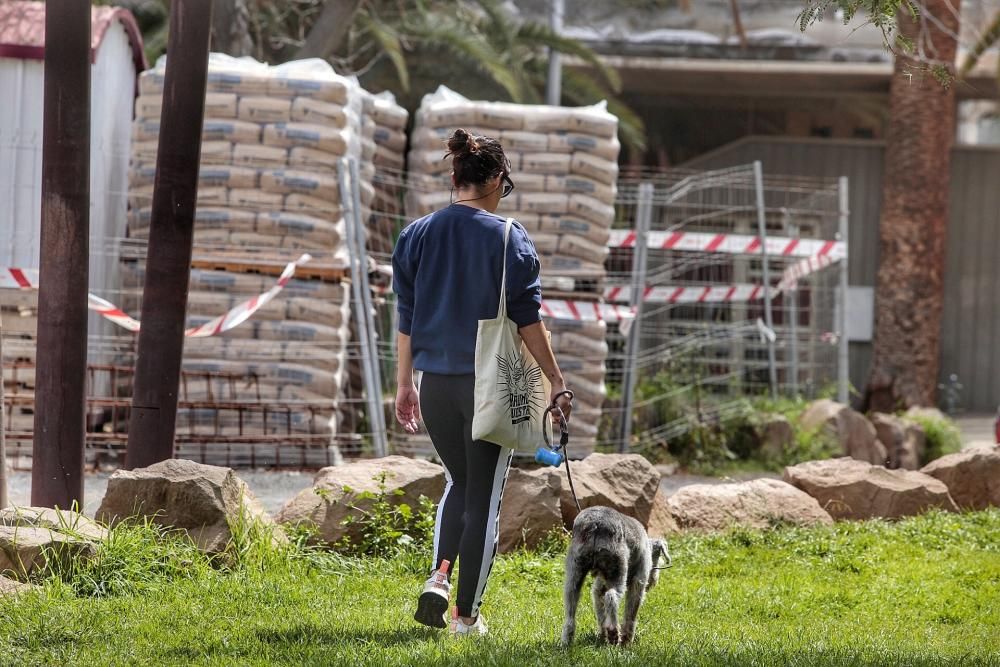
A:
[658,550]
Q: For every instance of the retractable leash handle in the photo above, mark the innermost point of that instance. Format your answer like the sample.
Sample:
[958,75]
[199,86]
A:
[549,454]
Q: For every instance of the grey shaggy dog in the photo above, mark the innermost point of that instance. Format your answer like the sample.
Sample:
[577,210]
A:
[616,549]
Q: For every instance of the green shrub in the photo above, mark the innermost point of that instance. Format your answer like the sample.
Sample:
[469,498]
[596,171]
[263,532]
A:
[387,528]
[942,435]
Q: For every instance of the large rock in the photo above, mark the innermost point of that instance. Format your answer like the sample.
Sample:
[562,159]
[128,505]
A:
[971,475]
[63,521]
[339,492]
[903,440]
[852,489]
[208,502]
[760,503]
[10,587]
[625,482]
[25,549]
[531,507]
[856,435]
[661,521]
[775,435]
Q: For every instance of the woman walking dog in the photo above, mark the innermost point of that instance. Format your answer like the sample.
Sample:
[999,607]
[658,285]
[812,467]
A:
[447,271]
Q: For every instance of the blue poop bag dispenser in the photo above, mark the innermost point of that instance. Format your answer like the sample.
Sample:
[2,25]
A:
[551,454]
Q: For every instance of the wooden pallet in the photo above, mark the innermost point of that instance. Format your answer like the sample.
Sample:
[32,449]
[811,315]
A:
[243,263]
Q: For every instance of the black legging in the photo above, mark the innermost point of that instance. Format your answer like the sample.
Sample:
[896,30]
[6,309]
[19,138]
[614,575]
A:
[468,516]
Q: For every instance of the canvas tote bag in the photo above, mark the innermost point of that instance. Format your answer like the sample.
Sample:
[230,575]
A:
[511,392]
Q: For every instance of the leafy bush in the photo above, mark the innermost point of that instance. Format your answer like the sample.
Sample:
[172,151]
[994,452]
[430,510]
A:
[942,435]
[387,528]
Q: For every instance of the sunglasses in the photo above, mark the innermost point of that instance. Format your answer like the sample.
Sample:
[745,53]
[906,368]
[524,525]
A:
[508,186]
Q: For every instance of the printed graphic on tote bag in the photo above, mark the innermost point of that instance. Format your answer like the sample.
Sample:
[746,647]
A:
[521,386]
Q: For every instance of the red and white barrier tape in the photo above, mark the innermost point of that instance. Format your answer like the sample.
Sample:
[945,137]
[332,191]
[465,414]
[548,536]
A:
[586,311]
[796,272]
[736,244]
[28,279]
[690,294]
[19,278]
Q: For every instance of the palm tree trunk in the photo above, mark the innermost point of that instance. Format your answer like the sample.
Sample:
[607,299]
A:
[231,28]
[910,288]
[3,428]
[330,29]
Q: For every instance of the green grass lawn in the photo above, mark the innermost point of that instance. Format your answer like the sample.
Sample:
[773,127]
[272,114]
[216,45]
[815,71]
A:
[925,591]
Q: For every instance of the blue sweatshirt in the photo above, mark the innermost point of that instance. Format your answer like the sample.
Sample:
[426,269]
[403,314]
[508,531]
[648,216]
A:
[446,275]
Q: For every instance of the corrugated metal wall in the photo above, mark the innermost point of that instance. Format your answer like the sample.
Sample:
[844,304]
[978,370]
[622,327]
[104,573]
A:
[970,345]
[971,330]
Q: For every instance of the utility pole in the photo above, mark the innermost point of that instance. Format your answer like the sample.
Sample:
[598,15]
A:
[61,365]
[553,87]
[168,256]
[3,429]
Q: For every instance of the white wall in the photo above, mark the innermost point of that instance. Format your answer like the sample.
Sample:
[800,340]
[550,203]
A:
[112,97]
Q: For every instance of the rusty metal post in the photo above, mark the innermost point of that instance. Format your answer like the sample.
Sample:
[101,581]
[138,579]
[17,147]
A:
[168,256]
[59,430]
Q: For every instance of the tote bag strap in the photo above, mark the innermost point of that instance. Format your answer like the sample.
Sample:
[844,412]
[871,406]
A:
[502,310]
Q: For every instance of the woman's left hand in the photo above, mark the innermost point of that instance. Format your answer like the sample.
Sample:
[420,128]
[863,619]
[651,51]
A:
[408,409]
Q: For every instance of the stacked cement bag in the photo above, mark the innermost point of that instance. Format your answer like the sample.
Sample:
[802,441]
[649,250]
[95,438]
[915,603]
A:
[390,151]
[565,168]
[273,139]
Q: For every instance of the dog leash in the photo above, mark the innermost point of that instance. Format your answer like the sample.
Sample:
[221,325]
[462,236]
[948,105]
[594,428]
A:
[563,439]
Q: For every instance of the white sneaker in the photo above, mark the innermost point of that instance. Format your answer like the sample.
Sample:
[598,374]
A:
[433,602]
[458,628]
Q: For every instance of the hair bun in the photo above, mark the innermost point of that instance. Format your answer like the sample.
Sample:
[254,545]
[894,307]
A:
[462,143]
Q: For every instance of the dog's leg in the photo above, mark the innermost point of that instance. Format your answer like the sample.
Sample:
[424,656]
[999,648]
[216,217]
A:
[608,599]
[612,598]
[575,576]
[633,600]
[598,590]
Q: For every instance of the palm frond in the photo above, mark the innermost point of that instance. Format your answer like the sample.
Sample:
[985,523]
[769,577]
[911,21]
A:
[536,34]
[987,40]
[476,51]
[496,23]
[581,89]
[389,42]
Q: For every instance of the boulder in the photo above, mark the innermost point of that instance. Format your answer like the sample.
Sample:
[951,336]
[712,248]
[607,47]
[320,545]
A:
[775,435]
[207,502]
[63,521]
[339,492]
[26,549]
[851,429]
[661,521]
[759,503]
[531,507]
[10,587]
[903,440]
[852,489]
[971,475]
[625,482]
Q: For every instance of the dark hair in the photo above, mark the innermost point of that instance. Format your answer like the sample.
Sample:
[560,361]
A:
[475,159]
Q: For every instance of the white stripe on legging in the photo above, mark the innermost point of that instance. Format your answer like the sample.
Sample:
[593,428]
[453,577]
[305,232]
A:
[492,526]
[440,511]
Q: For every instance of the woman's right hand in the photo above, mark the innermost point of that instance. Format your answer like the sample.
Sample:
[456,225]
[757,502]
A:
[408,408]
[564,402]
